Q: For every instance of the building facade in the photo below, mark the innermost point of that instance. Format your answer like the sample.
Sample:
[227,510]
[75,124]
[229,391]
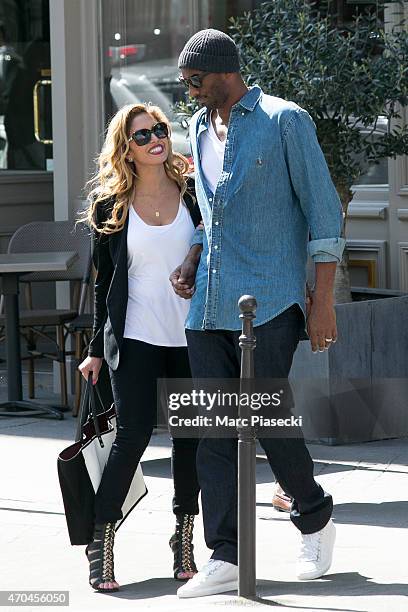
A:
[101,54]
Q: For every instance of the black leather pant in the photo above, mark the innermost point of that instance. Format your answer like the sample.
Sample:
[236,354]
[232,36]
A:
[135,396]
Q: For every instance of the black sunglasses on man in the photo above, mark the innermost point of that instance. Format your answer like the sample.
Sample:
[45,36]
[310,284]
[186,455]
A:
[195,80]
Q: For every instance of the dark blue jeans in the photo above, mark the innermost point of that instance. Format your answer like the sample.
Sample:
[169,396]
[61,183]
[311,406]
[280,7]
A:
[216,354]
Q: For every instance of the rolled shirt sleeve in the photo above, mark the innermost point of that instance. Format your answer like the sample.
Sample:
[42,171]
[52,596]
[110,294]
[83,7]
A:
[326,249]
[314,187]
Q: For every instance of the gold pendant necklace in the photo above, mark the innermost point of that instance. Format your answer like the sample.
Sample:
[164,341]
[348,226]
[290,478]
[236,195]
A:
[156,212]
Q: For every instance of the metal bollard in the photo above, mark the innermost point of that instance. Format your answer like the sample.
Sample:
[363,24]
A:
[246,458]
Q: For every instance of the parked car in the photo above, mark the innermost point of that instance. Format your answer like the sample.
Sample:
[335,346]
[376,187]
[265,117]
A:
[132,53]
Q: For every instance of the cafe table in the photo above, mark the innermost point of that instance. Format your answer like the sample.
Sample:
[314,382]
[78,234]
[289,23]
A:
[12,266]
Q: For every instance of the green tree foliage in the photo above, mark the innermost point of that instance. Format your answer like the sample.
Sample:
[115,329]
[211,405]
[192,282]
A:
[345,78]
[352,80]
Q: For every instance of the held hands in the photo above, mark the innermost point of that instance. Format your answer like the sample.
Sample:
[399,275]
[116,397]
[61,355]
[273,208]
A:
[321,322]
[183,277]
[91,364]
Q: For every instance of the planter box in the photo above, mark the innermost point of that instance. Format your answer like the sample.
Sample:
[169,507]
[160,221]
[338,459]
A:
[358,390]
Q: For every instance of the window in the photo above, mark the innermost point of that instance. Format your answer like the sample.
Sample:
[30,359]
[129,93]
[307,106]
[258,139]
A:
[218,12]
[25,91]
[142,40]
[344,10]
[376,174]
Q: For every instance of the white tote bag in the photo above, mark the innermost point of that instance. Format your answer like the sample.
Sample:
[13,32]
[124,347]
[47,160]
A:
[81,465]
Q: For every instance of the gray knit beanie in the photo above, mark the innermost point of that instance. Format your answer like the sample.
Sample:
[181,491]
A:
[211,51]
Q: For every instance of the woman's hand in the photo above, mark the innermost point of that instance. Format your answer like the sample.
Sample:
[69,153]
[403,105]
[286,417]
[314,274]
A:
[91,364]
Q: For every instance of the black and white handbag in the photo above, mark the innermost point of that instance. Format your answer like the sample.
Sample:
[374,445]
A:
[80,467]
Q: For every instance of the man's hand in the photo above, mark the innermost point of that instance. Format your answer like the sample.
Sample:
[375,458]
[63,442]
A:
[321,324]
[321,320]
[183,277]
[182,280]
[309,300]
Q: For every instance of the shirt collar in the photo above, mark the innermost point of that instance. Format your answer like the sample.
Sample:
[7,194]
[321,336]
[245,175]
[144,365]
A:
[248,101]
[251,98]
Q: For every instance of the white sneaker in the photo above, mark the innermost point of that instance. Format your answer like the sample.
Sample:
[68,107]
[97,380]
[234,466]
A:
[316,553]
[215,577]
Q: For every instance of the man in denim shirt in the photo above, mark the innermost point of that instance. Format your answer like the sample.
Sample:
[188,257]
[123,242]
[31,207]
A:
[264,189]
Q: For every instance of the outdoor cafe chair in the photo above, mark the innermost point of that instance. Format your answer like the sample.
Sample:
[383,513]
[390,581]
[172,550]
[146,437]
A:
[35,323]
[81,329]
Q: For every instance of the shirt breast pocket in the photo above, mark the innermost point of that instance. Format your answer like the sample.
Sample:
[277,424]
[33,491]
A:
[250,174]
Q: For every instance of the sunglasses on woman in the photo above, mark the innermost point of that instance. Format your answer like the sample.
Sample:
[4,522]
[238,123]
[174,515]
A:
[143,137]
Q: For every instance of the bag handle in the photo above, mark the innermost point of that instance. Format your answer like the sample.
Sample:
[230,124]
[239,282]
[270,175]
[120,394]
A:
[98,395]
[93,410]
[88,408]
[83,412]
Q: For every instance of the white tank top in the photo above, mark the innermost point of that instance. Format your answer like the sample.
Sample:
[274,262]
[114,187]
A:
[212,156]
[155,314]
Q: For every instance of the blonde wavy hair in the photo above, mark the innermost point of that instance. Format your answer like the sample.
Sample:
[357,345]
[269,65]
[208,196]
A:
[116,176]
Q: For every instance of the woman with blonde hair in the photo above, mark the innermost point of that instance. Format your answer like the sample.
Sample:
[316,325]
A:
[142,213]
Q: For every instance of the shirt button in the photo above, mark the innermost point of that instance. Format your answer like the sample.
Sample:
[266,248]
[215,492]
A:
[242,114]
[210,199]
[216,246]
[217,223]
[214,271]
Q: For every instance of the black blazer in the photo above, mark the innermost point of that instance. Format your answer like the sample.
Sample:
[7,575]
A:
[111,283]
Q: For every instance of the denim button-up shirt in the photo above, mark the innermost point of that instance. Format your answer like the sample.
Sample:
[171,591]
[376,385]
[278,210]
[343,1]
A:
[274,190]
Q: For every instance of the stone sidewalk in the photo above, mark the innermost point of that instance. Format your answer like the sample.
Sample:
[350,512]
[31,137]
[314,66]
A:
[369,483]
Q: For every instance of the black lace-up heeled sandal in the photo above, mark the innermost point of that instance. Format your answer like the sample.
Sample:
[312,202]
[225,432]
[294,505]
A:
[100,557]
[181,543]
